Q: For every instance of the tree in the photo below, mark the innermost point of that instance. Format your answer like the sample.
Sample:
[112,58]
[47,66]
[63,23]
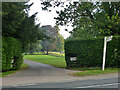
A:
[12,16]
[19,32]
[49,44]
[34,47]
[55,41]
[90,18]
[99,18]
[17,24]
[60,41]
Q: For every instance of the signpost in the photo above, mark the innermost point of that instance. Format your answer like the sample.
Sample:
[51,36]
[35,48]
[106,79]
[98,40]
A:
[106,39]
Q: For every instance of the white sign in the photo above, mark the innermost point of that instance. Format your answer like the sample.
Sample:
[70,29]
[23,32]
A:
[73,58]
[109,38]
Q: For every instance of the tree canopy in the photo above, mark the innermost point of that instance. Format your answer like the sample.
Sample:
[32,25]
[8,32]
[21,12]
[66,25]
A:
[90,18]
[55,41]
[18,24]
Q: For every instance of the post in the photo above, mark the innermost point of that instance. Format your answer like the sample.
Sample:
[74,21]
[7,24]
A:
[104,53]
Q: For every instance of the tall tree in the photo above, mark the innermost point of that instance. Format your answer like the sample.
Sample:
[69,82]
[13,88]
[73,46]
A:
[12,16]
[98,18]
[17,24]
[89,18]
[60,41]
[49,44]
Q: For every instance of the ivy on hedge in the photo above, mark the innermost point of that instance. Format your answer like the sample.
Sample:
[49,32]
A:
[11,54]
[89,53]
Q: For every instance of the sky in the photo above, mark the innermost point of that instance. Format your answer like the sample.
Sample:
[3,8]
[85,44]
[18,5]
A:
[47,18]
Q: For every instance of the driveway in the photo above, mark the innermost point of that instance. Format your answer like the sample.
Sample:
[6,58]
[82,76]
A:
[36,73]
[42,73]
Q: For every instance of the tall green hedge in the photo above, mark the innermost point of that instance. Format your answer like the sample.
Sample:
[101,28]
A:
[89,53]
[11,54]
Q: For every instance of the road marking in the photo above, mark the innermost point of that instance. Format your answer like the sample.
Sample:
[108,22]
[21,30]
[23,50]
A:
[23,85]
[98,85]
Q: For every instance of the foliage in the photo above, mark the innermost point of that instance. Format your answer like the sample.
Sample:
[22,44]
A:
[89,19]
[89,52]
[12,17]
[34,47]
[11,54]
[47,59]
[55,41]
[60,41]
[19,30]
[18,24]
[29,33]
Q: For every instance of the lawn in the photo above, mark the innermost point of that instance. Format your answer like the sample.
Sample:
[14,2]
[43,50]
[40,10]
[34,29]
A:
[13,71]
[48,59]
[57,54]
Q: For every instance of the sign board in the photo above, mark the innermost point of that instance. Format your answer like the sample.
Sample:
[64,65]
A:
[73,58]
[109,38]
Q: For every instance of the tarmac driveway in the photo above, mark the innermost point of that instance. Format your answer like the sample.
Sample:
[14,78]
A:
[36,73]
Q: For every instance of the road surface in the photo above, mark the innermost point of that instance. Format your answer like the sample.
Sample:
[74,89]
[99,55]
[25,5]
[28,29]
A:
[39,75]
[89,83]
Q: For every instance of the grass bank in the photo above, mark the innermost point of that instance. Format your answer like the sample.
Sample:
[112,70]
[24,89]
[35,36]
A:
[13,71]
[48,59]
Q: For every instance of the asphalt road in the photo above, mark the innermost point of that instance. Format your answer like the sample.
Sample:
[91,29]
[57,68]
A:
[90,83]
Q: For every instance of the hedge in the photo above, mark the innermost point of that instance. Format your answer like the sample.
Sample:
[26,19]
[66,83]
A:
[11,54]
[89,53]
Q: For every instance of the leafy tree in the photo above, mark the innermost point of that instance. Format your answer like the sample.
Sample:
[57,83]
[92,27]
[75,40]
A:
[90,18]
[12,16]
[55,41]
[60,41]
[34,47]
[17,24]
[49,44]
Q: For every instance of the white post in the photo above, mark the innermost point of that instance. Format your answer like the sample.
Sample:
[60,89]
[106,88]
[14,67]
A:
[104,53]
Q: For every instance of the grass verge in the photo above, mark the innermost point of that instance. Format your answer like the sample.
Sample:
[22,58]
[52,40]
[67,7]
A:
[13,71]
[48,59]
[95,71]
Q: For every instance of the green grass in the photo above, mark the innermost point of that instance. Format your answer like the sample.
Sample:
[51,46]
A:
[47,59]
[95,71]
[57,54]
[13,71]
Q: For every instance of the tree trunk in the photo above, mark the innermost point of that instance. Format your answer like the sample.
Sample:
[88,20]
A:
[47,51]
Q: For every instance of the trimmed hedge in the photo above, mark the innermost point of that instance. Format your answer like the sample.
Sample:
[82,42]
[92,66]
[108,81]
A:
[11,54]
[89,53]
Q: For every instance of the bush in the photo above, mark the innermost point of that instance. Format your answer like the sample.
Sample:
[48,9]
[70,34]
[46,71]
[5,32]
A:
[11,54]
[89,53]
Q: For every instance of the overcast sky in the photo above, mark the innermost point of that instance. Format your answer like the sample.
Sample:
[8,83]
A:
[47,18]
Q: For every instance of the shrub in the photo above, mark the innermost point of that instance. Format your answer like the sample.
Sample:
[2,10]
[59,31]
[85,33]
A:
[11,53]
[89,53]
